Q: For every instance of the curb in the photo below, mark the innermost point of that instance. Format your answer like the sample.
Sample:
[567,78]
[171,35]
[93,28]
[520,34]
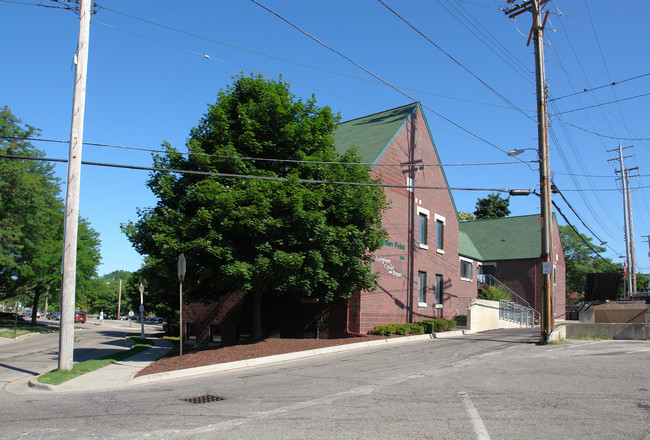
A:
[34,383]
[255,362]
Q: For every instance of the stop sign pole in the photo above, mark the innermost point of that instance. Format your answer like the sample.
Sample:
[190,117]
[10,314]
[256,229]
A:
[181,277]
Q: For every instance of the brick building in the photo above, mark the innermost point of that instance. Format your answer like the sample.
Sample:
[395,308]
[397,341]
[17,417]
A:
[428,265]
[509,249]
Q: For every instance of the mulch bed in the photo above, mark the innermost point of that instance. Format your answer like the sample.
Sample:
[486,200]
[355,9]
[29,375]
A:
[208,356]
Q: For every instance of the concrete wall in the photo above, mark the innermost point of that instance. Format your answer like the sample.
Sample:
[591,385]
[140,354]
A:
[605,331]
[484,315]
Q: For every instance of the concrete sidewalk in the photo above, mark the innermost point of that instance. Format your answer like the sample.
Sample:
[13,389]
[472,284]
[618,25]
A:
[122,374]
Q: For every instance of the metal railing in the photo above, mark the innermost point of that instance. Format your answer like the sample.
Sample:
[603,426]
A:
[523,315]
[514,298]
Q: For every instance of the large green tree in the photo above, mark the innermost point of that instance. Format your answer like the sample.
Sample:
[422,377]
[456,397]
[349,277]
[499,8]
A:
[493,206]
[262,237]
[581,257]
[31,220]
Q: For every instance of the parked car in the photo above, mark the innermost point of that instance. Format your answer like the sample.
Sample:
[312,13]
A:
[156,319]
[55,315]
[80,317]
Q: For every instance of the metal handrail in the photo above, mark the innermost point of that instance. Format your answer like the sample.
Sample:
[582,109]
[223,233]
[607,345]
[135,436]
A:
[517,313]
[491,281]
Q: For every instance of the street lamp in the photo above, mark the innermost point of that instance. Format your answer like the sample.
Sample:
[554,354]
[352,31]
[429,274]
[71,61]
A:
[141,288]
[518,151]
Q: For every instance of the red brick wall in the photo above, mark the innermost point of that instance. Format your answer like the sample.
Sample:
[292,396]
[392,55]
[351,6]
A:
[391,302]
[524,277]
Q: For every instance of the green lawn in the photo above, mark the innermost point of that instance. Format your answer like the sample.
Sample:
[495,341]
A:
[57,377]
[8,326]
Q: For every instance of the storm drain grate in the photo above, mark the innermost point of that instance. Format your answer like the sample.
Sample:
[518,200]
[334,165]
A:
[207,398]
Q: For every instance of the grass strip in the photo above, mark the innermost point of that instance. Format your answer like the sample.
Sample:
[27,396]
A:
[57,377]
[24,330]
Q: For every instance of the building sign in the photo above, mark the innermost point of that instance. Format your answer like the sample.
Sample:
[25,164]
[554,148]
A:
[389,267]
[393,244]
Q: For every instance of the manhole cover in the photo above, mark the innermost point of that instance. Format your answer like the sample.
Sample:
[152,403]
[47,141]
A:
[207,398]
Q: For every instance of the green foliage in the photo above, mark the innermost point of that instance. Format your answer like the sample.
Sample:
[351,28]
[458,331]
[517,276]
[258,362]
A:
[263,237]
[493,206]
[415,328]
[581,259]
[31,222]
[494,293]
[642,282]
[57,377]
[465,216]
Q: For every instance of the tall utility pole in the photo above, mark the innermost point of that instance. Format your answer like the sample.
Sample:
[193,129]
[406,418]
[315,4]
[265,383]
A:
[631,226]
[537,33]
[628,223]
[66,333]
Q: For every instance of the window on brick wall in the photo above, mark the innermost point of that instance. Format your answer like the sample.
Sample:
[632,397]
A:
[439,289]
[422,289]
[440,234]
[466,269]
[423,227]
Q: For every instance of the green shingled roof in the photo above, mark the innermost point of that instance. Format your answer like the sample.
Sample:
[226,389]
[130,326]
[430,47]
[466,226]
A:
[508,238]
[372,134]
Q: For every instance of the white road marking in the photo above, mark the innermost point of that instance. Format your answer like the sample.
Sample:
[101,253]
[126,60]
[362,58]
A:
[474,417]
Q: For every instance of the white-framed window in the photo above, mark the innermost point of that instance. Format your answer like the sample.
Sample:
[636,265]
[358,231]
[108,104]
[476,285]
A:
[422,289]
[466,269]
[423,227]
[439,287]
[440,234]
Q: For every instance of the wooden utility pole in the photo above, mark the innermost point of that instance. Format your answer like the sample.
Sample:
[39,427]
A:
[537,34]
[628,224]
[71,220]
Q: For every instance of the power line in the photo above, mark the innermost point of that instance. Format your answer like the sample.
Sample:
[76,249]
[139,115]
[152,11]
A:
[615,83]
[262,159]
[598,134]
[250,176]
[589,245]
[616,101]
[307,34]
[453,59]
[333,72]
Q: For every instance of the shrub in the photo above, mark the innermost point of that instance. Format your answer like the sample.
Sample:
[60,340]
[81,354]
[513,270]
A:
[415,328]
[494,293]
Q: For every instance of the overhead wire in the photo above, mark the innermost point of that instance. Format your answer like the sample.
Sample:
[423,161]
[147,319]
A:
[448,55]
[577,155]
[307,34]
[273,57]
[614,83]
[260,159]
[600,104]
[251,176]
[486,38]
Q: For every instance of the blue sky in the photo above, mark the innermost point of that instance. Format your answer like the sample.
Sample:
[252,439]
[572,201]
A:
[154,67]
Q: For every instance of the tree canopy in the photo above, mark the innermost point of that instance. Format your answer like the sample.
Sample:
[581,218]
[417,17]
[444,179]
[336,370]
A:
[581,257]
[493,206]
[266,231]
[31,220]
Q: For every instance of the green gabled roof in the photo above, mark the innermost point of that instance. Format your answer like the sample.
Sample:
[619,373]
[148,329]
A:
[466,248]
[373,133]
[508,238]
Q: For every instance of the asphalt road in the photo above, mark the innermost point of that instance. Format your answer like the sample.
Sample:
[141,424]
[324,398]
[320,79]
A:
[36,354]
[491,385]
